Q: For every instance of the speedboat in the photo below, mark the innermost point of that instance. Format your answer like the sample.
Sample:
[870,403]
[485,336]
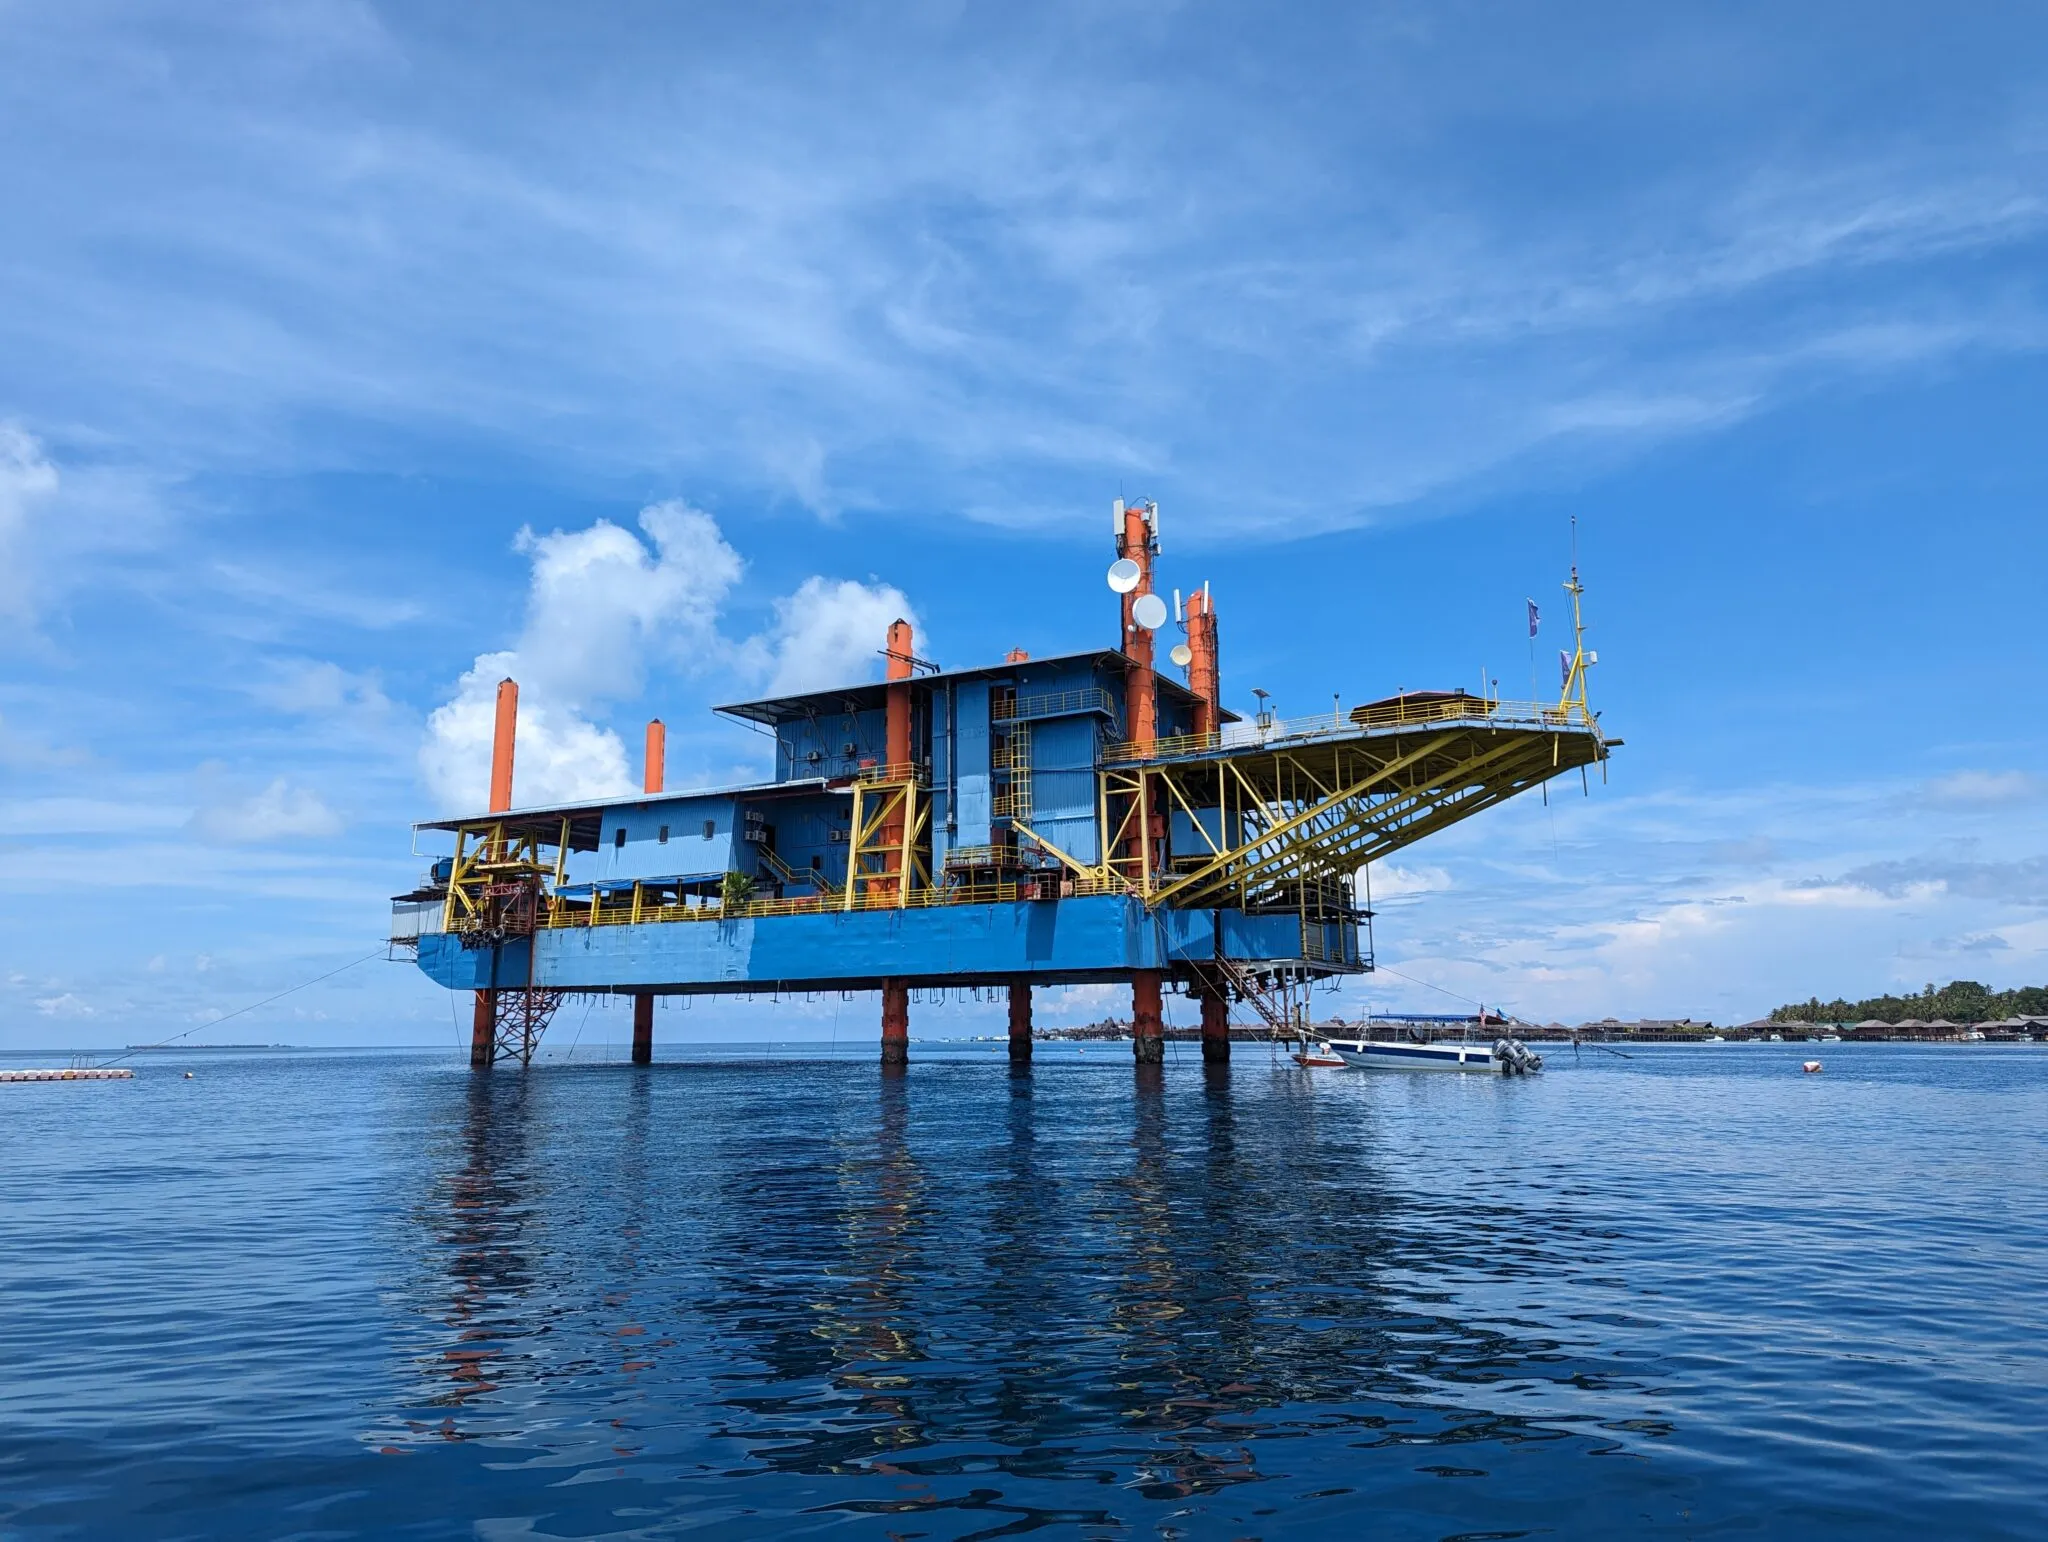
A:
[1508,1057]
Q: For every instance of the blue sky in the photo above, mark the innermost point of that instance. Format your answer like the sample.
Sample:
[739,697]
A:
[345,348]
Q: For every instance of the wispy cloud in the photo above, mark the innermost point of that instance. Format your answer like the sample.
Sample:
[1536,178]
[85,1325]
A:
[278,811]
[811,280]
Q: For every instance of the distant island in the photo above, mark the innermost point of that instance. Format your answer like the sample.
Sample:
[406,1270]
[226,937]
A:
[179,1049]
[1959,1001]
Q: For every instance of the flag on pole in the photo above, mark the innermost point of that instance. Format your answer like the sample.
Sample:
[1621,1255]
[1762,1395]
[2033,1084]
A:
[1564,667]
[1532,618]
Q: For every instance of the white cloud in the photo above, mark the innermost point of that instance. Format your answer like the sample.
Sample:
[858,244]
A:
[1986,789]
[278,812]
[1716,904]
[830,632]
[27,480]
[85,816]
[1393,882]
[756,263]
[601,604]
[316,688]
[559,755]
[66,1005]
[600,601]
[24,751]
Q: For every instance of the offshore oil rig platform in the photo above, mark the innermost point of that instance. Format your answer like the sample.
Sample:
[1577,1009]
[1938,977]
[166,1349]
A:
[1082,818]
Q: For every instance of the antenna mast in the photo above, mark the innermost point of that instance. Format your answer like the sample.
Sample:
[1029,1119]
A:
[1574,693]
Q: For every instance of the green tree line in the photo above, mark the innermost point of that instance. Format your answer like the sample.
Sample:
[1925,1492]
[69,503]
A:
[1959,1001]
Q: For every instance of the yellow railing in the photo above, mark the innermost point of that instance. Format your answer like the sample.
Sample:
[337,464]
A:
[1401,713]
[1058,704]
[562,915]
[893,774]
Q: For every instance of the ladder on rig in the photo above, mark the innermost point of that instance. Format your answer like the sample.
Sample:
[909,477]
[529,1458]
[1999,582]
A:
[1273,1007]
[788,875]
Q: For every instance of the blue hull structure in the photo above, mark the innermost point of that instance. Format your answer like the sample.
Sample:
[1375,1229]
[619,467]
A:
[1049,942]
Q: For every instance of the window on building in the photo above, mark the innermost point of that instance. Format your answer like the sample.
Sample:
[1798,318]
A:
[661,836]
[619,839]
[710,828]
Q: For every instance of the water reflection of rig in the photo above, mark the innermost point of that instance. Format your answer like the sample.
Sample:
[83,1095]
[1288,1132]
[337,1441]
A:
[1075,819]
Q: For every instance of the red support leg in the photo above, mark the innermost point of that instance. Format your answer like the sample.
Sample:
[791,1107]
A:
[1215,1028]
[1148,1023]
[643,1029]
[483,1031]
[1020,1019]
[895,1023]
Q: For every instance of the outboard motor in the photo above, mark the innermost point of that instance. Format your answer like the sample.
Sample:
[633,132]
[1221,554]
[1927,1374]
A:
[1516,1058]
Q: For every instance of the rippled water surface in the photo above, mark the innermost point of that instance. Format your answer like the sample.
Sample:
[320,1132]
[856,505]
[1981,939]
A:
[1690,1293]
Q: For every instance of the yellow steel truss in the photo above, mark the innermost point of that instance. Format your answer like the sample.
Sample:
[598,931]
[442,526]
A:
[888,848]
[1281,815]
[487,856]
[1292,815]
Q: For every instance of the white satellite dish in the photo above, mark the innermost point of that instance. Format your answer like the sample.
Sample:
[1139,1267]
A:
[1149,611]
[1124,575]
[1182,655]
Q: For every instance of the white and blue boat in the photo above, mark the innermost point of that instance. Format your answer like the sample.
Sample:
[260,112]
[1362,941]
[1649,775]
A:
[1508,1057]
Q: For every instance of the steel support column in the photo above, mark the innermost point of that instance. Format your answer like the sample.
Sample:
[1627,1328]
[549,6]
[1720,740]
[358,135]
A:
[1148,1022]
[1215,1026]
[483,1031]
[895,1022]
[1020,1019]
[643,1028]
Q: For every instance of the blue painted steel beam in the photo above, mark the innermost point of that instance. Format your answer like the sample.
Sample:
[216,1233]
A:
[1051,942]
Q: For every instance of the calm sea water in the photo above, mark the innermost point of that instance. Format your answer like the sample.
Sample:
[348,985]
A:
[1689,1294]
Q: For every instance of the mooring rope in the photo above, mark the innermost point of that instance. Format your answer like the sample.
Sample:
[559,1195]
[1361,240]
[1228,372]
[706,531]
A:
[136,1049]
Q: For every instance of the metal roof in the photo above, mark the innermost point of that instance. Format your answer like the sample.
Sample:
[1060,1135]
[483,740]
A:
[871,694]
[546,820]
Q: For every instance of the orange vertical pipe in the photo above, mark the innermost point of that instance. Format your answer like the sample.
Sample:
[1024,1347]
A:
[1141,697]
[654,770]
[1141,727]
[655,766]
[506,731]
[895,747]
[483,1023]
[1204,674]
[898,739]
[1141,686]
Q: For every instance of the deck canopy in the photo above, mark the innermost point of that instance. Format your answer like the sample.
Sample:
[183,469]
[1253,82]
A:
[871,695]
